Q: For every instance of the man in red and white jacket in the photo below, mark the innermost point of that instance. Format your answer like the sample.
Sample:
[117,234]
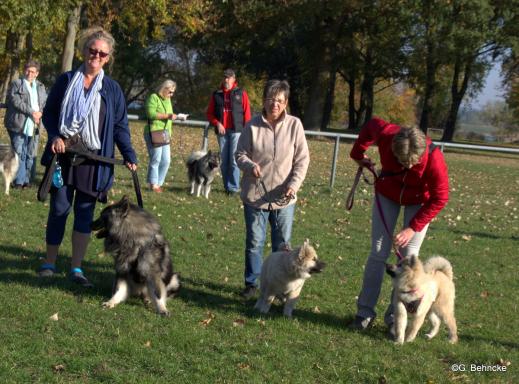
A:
[228,111]
[413,175]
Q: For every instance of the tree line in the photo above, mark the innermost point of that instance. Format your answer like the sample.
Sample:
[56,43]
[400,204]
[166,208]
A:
[412,61]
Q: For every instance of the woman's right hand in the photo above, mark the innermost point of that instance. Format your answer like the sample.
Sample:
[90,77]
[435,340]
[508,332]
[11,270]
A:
[365,162]
[58,145]
[256,171]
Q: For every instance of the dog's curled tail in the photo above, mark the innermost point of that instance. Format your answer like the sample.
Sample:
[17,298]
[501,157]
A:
[194,156]
[440,264]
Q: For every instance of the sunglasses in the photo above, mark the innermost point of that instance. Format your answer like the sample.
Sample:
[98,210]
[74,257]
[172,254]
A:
[95,52]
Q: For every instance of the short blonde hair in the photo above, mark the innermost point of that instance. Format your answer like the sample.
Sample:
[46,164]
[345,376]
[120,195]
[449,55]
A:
[88,36]
[166,84]
[409,145]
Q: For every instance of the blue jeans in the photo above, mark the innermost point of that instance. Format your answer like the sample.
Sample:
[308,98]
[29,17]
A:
[228,166]
[160,158]
[22,145]
[256,225]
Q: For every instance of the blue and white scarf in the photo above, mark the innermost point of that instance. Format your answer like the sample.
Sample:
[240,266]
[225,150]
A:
[28,128]
[80,110]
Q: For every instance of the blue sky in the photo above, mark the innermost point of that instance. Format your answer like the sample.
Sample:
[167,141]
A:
[492,90]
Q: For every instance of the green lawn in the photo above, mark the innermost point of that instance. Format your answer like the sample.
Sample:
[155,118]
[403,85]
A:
[213,336]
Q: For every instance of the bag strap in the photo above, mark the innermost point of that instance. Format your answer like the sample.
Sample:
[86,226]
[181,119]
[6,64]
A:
[46,181]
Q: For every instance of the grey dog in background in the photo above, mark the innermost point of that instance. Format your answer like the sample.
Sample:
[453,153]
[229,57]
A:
[9,163]
[143,264]
[283,275]
[201,169]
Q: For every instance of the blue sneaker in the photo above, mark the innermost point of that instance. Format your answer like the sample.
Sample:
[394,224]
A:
[77,276]
[46,270]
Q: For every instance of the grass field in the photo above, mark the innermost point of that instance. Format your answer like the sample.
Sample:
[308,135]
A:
[213,336]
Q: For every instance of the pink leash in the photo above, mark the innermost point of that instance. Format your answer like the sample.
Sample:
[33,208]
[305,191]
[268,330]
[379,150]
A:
[351,198]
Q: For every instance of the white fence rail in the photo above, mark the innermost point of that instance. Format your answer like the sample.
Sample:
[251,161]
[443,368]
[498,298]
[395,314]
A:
[338,137]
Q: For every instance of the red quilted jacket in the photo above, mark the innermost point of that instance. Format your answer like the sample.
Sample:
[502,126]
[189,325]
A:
[426,183]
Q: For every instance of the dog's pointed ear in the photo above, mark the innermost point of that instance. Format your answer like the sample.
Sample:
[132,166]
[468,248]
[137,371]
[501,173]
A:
[303,251]
[413,259]
[124,206]
[390,270]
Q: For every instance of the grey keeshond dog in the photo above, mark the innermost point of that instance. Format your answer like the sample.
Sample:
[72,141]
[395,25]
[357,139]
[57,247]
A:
[8,164]
[201,170]
[143,265]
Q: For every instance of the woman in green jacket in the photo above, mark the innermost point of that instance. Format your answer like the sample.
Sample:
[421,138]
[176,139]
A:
[159,112]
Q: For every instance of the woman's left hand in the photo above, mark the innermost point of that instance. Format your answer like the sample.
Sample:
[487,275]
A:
[402,238]
[131,166]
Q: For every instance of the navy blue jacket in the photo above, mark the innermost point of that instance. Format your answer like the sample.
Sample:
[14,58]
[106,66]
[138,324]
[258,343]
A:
[115,130]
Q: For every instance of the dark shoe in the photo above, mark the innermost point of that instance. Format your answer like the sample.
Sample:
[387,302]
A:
[232,193]
[26,186]
[17,186]
[391,331]
[46,270]
[249,292]
[80,278]
[361,323]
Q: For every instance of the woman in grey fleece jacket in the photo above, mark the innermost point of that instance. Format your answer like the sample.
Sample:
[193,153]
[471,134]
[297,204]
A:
[273,154]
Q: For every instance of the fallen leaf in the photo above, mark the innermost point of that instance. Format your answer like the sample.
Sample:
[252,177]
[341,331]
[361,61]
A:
[261,322]
[58,368]
[238,323]
[147,344]
[504,363]
[484,294]
[466,237]
[54,317]
[316,310]
[210,317]
[244,366]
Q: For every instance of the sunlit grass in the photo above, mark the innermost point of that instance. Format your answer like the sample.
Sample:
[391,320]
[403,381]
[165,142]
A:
[214,336]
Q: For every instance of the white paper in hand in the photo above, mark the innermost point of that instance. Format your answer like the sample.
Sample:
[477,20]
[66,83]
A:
[182,116]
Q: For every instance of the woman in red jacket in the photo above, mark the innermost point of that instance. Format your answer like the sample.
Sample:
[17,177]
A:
[414,175]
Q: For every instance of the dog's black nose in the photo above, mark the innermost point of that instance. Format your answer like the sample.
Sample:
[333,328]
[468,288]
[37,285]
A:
[319,266]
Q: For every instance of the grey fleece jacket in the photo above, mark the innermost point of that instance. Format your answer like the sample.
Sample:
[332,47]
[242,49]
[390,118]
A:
[19,104]
[282,154]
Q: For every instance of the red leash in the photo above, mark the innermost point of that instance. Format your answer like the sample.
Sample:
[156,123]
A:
[351,197]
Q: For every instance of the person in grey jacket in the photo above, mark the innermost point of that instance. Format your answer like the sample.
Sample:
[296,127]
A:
[273,154]
[25,101]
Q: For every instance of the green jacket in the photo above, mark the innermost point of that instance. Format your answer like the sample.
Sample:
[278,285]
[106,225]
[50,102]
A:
[154,104]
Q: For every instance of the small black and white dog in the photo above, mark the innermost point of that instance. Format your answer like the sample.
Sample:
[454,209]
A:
[9,163]
[201,169]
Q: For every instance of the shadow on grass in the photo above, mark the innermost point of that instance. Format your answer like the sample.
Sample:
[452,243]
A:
[227,299]
[22,264]
[480,339]
[484,235]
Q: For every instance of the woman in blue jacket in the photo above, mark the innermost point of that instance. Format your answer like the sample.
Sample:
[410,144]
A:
[87,103]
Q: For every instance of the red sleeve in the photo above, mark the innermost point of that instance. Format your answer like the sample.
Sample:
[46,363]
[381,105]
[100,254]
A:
[210,113]
[368,136]
[437,179]
[246,108]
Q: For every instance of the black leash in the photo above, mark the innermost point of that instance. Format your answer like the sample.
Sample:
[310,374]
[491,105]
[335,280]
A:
[78,156]
[135,178]
[280,200]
